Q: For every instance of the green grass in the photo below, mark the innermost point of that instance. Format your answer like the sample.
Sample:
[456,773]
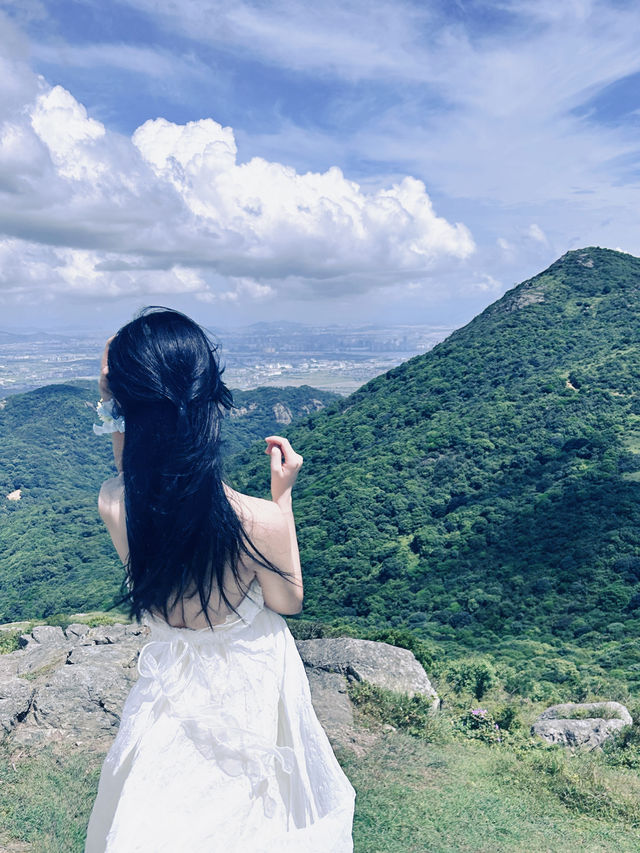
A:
[412,796]
[415,796]
[46,796]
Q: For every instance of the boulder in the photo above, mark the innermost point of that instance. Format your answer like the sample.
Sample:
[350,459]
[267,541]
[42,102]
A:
[76,630]
[108,634]
[83,700]
[330,698]
[581,724]
[15,700]
[381,664]
[49,634]
[38,658]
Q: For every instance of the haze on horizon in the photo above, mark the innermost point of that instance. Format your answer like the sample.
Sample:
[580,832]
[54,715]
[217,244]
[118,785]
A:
[401,162]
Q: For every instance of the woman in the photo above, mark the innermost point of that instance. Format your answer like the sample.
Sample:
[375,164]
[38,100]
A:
[219,748]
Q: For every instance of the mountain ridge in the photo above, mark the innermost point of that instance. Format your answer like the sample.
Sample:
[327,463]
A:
[420,485]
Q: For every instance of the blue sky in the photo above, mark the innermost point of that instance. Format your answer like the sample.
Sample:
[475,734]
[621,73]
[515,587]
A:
[330,161]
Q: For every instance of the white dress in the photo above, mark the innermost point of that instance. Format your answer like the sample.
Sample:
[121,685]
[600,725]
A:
[219,748]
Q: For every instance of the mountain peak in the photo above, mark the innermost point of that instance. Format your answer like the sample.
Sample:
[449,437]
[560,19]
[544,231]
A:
[589,273]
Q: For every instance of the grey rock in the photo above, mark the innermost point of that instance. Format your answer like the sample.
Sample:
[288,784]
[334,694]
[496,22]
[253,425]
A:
[26,640]
[15,699]
[76,630]
[40,658]
[123,655]
[592,709]
[556,725]
[330,698]
[9,665]
[106,634]
[282,414]
[84,701]
[365,660]
[73,686]
[52,634]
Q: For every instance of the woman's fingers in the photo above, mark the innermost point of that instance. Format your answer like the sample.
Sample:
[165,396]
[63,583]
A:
[276,458]
[291,458]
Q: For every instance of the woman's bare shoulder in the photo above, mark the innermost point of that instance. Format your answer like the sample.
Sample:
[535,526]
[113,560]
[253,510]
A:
[255,512]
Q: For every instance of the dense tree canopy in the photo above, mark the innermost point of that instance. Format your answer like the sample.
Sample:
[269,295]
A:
[487,491]
[491,486]
[55,553]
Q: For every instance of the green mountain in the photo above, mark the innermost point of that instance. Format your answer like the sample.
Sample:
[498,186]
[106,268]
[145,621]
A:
[267,411]
[55,555]
[490,487]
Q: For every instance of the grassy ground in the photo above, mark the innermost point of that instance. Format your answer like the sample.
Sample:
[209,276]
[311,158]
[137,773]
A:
[413,797]
[45,798]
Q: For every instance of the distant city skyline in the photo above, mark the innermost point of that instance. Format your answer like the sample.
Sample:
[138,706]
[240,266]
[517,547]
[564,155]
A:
[348,162]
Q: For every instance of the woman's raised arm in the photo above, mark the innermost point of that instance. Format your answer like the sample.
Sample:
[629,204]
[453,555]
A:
[272,529]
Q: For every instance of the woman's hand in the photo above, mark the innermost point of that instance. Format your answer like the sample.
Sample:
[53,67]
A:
[285,464]
[103,381]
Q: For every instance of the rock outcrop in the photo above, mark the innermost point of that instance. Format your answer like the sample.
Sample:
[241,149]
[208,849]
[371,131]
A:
[68,684]
[72,684]
[332,663]
[586,724]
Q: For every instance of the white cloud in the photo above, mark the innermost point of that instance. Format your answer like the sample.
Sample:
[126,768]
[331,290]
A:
[242,288]
[33,272]
[64,127]
[534,232]
[277,222]
[354,39]
[173,211]
[147,61]
[486,283]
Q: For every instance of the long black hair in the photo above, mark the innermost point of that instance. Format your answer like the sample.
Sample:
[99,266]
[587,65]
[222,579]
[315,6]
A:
[183,532]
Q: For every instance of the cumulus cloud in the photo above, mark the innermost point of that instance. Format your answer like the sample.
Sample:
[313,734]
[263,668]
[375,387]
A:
[92,212]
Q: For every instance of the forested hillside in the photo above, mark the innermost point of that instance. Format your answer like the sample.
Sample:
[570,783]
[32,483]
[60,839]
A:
[55,555]
[490,487]
[487,492]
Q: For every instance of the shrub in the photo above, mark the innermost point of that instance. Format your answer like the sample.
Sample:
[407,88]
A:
[413,714]
[473,675]
[9,641]
[59,620]
[479,724]
[602,712]
[584,783]
[508,717]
